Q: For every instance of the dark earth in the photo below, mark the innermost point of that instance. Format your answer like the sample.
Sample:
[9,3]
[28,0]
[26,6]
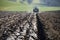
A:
[29,26]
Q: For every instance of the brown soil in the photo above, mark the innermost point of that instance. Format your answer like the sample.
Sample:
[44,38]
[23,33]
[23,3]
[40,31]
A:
[51,22]
[11,21]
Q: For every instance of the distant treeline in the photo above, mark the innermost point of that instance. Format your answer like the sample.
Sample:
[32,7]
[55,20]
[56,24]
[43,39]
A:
[22,1]
[42,2]
[50,2]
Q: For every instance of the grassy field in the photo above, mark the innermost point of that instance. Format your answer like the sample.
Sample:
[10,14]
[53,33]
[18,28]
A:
[14,6]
